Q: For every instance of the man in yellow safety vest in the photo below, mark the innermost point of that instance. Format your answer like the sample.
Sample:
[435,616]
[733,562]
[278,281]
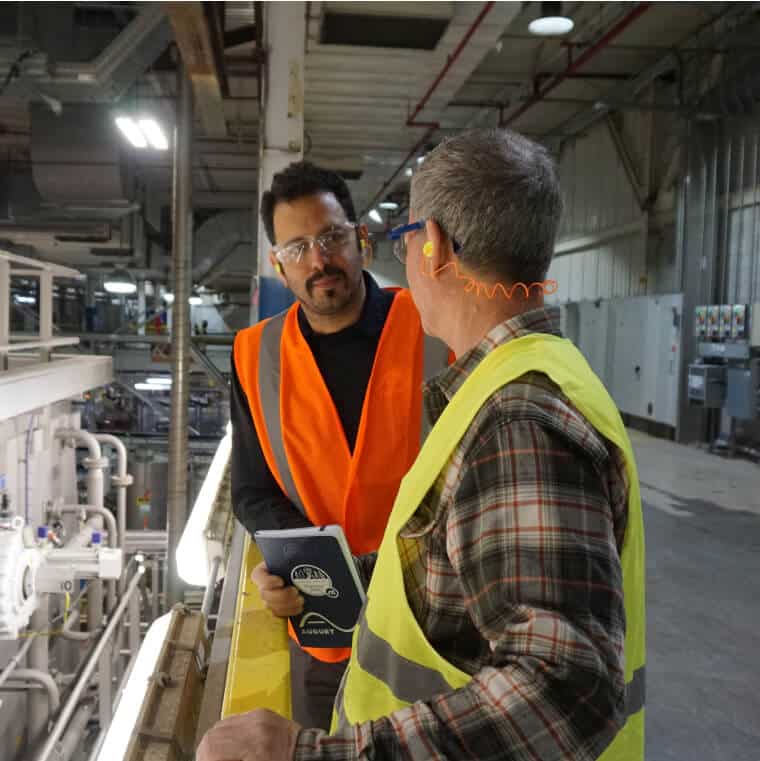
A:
[505,615]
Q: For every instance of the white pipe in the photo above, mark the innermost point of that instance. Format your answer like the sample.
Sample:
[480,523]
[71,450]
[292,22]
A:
[67,630]
[38,705]
[102,512]
[76,729]
[14,662]
[44,680]
[113,537]
[122,481]
[86,673]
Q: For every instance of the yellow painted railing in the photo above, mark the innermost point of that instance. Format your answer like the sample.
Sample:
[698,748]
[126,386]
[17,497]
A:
[259,670]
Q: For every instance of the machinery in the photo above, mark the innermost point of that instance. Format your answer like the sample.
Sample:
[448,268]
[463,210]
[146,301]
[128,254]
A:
[726,375]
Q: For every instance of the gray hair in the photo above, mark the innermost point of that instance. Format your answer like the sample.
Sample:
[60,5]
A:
[497,194]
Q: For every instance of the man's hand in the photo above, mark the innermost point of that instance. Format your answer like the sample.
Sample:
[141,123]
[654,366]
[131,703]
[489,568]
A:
[281,600]
[259,735]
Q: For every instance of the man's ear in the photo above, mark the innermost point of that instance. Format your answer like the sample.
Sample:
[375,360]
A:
[278,269]
[437,253]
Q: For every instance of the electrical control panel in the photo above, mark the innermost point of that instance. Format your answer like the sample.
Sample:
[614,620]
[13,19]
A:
[700,322]
[713,321]
[739,322]
[725,317]
[728,322]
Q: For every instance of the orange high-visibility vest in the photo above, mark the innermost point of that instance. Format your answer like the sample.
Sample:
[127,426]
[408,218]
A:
[302,437]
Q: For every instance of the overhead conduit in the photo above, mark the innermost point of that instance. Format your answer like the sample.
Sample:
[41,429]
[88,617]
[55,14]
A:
[581,61]
[430,127]
[550,85]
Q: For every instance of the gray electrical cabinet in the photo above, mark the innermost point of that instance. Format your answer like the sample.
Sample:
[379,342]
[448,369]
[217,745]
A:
[742,388]
[707,385]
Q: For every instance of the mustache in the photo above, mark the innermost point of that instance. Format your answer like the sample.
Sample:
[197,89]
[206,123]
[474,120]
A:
[328,272]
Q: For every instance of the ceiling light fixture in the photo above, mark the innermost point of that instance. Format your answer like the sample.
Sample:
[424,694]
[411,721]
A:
[120,282]
[24,299]
[420,159]
[160,380]
[195,300]
[391,205]
[154,134]
[168,297]
[131,131]
[551,22]
[374,215]
[409,171]
[148,387]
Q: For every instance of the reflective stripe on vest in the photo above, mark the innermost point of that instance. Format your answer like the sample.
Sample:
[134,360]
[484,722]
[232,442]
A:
[392,663]
[302,437]
[435,359]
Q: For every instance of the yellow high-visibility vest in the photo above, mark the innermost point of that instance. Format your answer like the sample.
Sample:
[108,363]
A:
[392,664]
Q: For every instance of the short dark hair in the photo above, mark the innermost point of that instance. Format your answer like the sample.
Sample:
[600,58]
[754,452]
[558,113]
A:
[302,178]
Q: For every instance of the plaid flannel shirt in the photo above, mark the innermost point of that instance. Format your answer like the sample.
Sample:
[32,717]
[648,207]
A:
[512,569]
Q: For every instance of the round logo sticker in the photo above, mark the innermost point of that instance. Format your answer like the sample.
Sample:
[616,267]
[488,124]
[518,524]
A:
[312,581]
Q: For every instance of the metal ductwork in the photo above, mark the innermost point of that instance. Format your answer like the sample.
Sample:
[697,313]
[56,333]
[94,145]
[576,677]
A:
[77,160]
[224,259]
[103,78]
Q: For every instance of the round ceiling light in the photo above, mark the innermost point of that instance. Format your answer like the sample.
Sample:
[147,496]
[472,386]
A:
[120,282]
[551,22]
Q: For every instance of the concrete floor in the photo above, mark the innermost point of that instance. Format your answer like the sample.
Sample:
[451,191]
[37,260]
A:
[702,519]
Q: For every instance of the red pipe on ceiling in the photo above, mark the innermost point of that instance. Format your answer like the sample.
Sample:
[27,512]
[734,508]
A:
[450,61]
[431,126]
[597,47]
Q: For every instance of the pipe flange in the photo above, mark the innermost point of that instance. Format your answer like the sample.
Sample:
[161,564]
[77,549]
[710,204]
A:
[98,463]
[125,480]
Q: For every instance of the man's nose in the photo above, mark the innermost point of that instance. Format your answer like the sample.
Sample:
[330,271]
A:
[316,255]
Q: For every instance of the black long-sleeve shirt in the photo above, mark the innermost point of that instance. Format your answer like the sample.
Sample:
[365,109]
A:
[345,361]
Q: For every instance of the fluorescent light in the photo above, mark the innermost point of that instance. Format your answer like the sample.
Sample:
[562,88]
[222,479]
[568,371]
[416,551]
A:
[551,22]
[24,299]
[392,205]
[131,131]
[160,381]
[194,545]
[195,300]
[151,129]
[122,726]
[119,281]
[374,215]
[409,171]
[168,298]
[420,159]
[150,387]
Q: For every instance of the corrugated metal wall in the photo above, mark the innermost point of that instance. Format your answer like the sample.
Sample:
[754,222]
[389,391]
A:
[603,220]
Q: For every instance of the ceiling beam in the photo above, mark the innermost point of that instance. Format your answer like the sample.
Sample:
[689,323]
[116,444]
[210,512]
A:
[199,33]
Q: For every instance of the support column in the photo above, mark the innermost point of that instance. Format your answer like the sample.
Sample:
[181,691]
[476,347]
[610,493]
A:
[46,312]
[182,223]
[141,309]
[281,128]
[5,310]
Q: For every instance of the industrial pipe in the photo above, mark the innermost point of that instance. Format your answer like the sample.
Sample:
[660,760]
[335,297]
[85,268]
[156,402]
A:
[16,660]
[450,60]
[431,126]
[181,257]
[94,464]
[121,480]
[75,732]
[113,542]
[86,672]
[67,630]
[42,678]
[583,59]
[39,705]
